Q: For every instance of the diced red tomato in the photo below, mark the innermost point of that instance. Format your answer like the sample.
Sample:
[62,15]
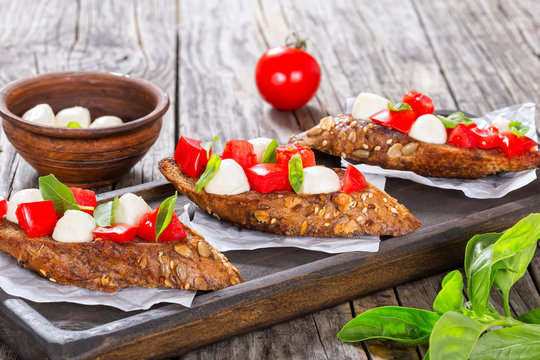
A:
[470,126]
[462,137]
[420,103]
[402,120]
[286,152]
[147,228]
[85,198]
[382,118]
[3,206]
[117,233]
[190,156]
[353,180]
[486,138]
[37,218]
[241,151]
[513,145]
[266,178]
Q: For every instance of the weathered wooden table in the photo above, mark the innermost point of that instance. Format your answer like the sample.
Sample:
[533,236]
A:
[470,55]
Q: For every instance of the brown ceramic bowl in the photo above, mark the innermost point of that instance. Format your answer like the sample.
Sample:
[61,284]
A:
[84,157]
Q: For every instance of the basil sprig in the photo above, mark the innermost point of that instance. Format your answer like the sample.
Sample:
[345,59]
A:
[454,119]
[165,214]
[399,106]
[457,329]
[270,154]
[296,173]
[63,199]
[207,145]
[104,213]
[518,128]
[211,169]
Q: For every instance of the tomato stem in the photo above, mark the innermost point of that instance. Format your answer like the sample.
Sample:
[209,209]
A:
[298,42]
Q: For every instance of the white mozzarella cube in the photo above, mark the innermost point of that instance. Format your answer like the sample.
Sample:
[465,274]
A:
[76,114]
[230,179]
[502,124]
[368,104]
[42,114]
[74,227]
[130,209]
[260,145]
[428,128]
[20,197]
[320,180]
[104,121]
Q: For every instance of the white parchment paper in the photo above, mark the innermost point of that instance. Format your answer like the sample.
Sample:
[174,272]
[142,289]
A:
[227,237]
[490,187]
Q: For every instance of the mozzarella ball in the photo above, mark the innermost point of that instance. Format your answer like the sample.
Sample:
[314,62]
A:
[230,179]
[130,209]
[104,121]
[42,114]
[428,128]
[368,104]
[74,227]
[260,145]
[502,124]
[20,197]
[320,180]
[76,114]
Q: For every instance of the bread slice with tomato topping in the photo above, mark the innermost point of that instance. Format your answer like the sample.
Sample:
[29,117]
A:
[373,144]
[335,214]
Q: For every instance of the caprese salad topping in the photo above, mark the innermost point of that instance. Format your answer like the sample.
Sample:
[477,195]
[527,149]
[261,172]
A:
[263,166]
[414,116]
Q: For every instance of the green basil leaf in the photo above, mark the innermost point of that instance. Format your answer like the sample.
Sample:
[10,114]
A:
[270,154]
[518,238]
[104,213]
[454,119]
[406,325]
[61,196]
[211,169]
[207,145]
[451,295]
[518,128]
[165,214]
[531,317]
[520,342]
[73,124]
[476,245]
[426,357]
[399,106]
[296,173]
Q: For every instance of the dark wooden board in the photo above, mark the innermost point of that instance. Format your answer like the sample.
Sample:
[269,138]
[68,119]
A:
[281,283]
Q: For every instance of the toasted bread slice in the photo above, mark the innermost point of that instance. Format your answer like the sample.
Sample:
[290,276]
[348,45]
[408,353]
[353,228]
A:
[190,263]
[337,214]
[377,145]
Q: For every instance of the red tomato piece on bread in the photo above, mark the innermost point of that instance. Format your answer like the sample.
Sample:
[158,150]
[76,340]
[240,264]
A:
[85,198]
[116,233]
[353,180]
[266,178]
[3,206]
[513,145]
[147,228]
[37,218]
[286,152]
[241,151]
[421,104]
[462,137]
[190,156]
[486,138]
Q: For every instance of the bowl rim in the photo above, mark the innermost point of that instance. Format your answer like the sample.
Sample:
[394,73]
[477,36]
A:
[159,110]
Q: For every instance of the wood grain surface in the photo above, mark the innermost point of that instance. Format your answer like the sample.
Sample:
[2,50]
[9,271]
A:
[473,55]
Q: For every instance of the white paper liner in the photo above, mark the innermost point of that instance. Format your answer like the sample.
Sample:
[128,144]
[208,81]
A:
[18,281]
[227,237]
[490,187]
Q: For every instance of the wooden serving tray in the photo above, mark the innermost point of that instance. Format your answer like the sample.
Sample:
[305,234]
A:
[281,283]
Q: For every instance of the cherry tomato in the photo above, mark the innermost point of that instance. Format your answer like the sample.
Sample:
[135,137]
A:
[353,180]
[286,152]
[190,156]
[147,228]
[37,218]
[85,198]
[266,178]
[287,77]
[241,151]
[486,138]
[402,120]
[513,145]
[382,118]
[420,103]
[461,136]
[117,233]
[3,206]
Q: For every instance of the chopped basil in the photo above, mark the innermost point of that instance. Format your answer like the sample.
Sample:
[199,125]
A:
[165,214]
[52,189]
[211,169]
[296,173]
[207,145]
[73,124]
[270,153]
[518,128]
[399,106]
[104,213]
[454,119]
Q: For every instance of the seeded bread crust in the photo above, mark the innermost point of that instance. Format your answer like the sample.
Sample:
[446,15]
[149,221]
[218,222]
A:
[336,214]
[373,144]
[190,263]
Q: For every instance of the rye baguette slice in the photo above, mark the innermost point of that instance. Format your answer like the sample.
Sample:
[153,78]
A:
[338,214]
[377,145]
[190,263]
